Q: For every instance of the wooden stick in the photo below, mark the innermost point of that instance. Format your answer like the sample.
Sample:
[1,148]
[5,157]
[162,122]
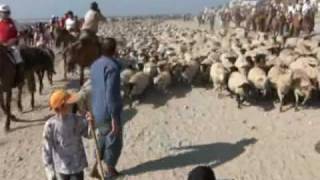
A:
[97,152]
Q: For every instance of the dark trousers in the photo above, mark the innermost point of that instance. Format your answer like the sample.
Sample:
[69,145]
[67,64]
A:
[78,176]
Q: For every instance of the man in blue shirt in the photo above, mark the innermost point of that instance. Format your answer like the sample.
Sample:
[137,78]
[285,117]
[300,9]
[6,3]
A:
[107,104]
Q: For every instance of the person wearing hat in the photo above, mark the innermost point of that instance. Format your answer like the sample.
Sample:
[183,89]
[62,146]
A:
[63,152]
[9,38]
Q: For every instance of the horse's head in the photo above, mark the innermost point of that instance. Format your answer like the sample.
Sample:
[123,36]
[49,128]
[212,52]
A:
[71,55]
[81,53]
[62,36]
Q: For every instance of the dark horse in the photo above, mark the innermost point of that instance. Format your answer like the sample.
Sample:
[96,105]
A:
[36,61]
[8,77]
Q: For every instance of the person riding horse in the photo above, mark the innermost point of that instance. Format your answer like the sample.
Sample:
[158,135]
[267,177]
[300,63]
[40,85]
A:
[9,38]
[71,24]
[91,21]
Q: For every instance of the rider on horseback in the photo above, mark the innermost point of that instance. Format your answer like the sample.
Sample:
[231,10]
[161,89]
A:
[92,19]
[9,38]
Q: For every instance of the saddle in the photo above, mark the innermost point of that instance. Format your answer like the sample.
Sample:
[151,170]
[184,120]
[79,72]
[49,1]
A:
[19,77]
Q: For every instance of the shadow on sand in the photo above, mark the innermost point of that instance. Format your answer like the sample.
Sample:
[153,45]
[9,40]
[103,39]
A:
[157,98]
[31,123]
[213,155]
[128,114]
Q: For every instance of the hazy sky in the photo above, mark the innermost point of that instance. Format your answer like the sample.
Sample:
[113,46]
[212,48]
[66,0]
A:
[46,8]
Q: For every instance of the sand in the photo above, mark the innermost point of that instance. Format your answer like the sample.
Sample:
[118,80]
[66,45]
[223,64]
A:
[168,135]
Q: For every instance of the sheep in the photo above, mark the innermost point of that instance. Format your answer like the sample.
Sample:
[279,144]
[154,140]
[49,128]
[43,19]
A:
[228,60]
[190,70]
[281,79]
[125,77]
[163,81]
[302,86]
[242,63]
[150,68]
[138,83]
[218,75]
[258,78]
[176,69]
[239,85]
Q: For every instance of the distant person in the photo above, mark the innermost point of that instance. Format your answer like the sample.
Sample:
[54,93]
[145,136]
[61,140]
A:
[92,19]
[63,151]
[63,21]
[306,7]
[70,23]
[9,38]
[107,105]
[202,173]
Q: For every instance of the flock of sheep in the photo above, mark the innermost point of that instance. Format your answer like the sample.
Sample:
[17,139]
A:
[245,64]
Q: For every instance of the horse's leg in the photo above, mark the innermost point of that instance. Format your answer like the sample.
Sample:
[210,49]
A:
[49,77]
[81,75]
[65,67]
[8,110]
[40,77]
[31,87]
[19,101]
[2,101]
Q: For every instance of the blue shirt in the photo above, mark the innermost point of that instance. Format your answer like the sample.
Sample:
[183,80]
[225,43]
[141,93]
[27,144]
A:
[106,95]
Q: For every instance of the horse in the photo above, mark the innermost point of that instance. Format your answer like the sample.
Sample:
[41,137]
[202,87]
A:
[308,22]
[83,53]
[36,61]
[278,24]
[296,25]
[27,36]
[63,38]
[8,81]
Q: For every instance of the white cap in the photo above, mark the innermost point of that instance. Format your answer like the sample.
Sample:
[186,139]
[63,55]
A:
[4,8]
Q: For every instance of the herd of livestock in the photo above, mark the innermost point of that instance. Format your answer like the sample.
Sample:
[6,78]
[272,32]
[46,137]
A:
[246,64]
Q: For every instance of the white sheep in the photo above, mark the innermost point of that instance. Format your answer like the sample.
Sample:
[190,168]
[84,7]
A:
[239,85]
[218,75]
[138,83]
[281,80]
[302,86]
[258,78]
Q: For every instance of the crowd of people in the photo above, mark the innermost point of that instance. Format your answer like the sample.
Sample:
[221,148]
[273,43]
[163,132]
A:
[267,16]
[63,151]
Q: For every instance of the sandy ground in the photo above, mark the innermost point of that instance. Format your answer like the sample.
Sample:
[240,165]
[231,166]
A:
[168,135]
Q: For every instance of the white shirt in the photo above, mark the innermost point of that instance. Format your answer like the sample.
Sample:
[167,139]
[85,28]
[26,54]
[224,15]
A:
[297,7]
[305,8]
[70,24]
[291,9]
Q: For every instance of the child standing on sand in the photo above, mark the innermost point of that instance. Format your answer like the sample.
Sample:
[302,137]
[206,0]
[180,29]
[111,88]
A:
[63,152]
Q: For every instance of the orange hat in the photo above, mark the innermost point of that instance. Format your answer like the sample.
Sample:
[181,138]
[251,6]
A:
[60,97]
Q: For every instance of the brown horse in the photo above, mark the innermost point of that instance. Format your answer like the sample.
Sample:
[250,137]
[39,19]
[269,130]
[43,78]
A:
[278,24]
[308,22]
[82,53]
[7,83]
[296,25]
[63,39]
[260,19]
[271,15]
